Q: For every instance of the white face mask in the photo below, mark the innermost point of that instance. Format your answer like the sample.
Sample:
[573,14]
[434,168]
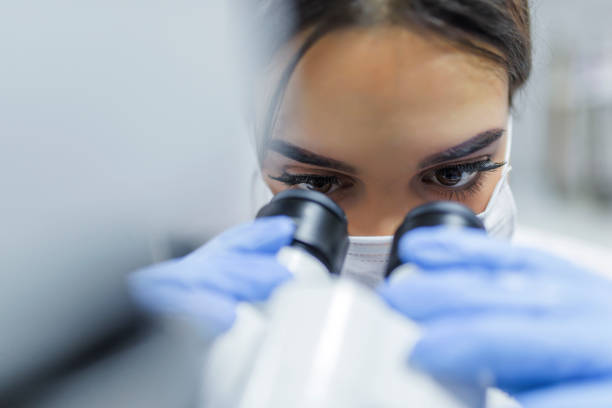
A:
[367,257]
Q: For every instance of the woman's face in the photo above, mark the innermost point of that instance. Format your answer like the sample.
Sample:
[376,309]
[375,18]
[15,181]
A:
[383,120]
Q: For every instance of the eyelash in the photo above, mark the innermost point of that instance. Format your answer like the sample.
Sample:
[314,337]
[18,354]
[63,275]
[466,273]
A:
[481,167]
[310,179]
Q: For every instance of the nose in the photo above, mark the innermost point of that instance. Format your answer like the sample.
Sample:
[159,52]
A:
[378,217]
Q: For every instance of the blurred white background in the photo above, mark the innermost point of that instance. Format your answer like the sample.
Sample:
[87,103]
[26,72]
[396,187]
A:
[562,153]
[121,144]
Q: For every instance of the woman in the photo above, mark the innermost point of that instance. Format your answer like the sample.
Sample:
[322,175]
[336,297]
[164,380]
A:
[384,105]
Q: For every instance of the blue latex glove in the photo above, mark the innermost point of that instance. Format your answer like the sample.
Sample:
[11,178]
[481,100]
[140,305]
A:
[495,314]
[205,286]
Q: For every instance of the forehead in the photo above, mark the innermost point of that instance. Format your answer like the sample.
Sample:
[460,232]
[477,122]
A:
[362,91]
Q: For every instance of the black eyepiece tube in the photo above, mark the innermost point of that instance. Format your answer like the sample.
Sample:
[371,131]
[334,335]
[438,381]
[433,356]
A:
[321,224]
[429,215]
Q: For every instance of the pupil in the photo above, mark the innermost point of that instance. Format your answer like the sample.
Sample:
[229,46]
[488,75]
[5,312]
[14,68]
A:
[319,185]
[449,177]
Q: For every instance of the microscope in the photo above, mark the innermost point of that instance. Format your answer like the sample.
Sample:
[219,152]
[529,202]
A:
[323,340]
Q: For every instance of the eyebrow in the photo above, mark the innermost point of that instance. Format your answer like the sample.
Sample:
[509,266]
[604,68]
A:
[305,156]
[478,142]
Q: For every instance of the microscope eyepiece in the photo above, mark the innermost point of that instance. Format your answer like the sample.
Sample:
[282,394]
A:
[446,213]
[321,224]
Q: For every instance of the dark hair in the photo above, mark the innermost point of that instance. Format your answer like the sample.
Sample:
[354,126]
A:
[478,26]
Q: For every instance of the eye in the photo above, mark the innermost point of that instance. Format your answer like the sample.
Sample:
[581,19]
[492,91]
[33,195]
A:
[453,177]
[320,184]
[459,176]
[314,182]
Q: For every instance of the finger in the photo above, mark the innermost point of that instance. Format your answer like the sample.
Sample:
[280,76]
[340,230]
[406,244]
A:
[441,247]
[591,393]
[213,312]
[514,352]
[425,297]
[247,277]
[264,235]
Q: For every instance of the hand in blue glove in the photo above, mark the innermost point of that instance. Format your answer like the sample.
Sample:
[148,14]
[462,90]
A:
[494,314]
[238,265]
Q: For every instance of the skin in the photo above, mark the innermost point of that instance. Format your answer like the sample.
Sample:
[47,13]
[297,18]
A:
[383,100]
